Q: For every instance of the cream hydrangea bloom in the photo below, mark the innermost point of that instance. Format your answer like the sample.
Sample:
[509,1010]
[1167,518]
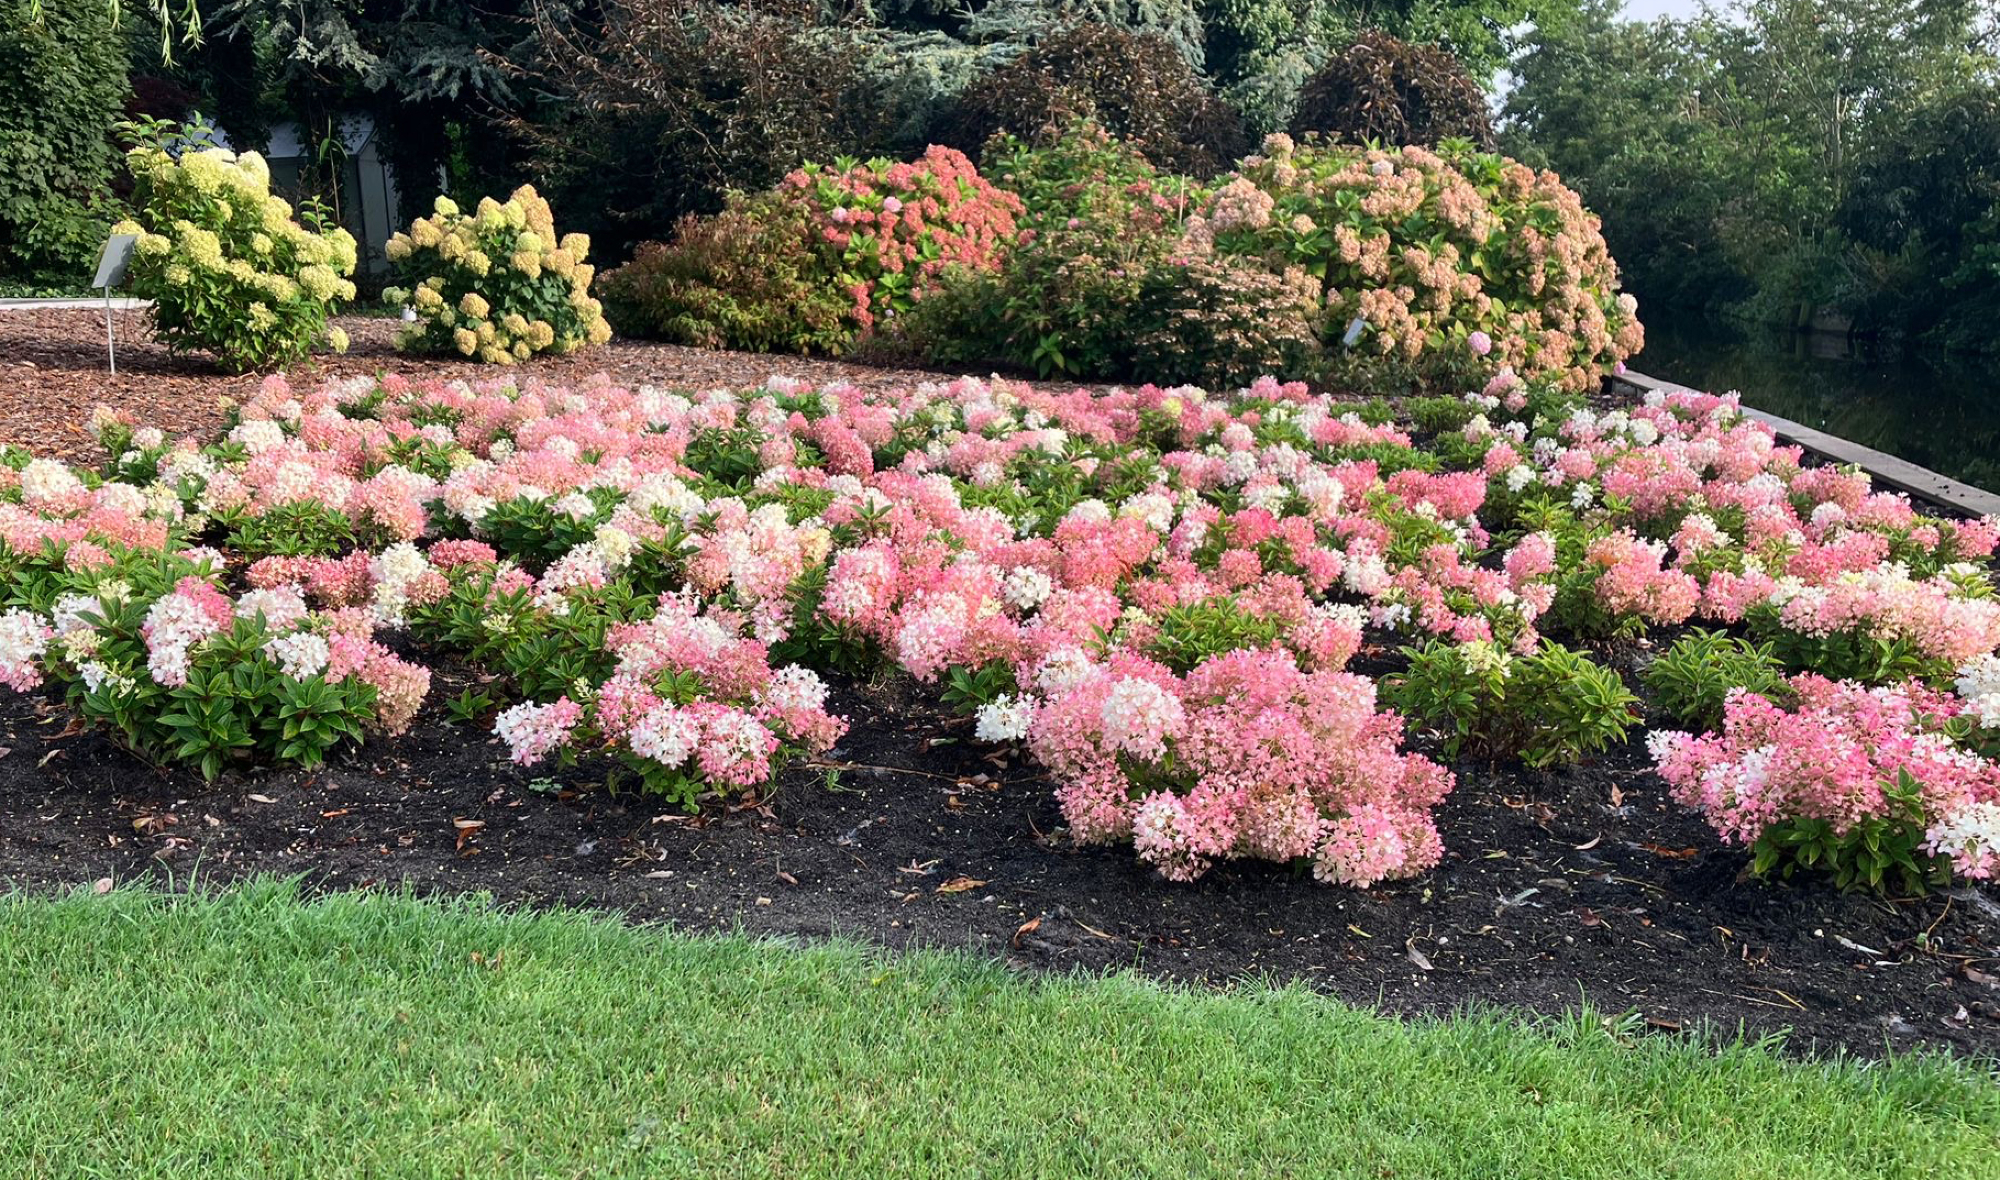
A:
[446,259]
[228,268]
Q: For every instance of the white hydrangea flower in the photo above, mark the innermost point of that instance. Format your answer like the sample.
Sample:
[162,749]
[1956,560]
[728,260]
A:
[1005,719]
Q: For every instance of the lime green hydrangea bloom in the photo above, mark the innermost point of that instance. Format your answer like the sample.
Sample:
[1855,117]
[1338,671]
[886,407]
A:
[228,269]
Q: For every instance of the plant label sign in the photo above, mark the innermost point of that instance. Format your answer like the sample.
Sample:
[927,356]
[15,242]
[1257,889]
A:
[111,267]
[116,259]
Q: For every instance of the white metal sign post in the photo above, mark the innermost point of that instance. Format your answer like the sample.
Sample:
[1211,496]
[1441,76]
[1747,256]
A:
[111,268]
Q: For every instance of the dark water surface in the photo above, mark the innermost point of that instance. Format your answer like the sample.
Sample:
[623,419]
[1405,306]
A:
[1937,411]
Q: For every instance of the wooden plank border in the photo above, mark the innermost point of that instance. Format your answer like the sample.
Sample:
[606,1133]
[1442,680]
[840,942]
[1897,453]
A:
[1959,498]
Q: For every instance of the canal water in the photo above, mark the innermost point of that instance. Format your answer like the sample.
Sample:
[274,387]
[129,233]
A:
[1937,411]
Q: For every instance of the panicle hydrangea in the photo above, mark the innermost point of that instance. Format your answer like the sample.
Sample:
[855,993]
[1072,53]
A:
[534,731]
[23,639]
[177,621]
[1835,756]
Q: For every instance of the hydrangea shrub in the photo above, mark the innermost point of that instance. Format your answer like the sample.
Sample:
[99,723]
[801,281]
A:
[1450,265]
[229,268]
[1245,756]
[822,261]
[153,648]
[498,284]
[886,229]
[1865,783]
[1101,280]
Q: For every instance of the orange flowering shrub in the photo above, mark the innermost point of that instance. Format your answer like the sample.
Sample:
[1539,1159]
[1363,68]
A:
[817,263]
[1447,266]
[888,228]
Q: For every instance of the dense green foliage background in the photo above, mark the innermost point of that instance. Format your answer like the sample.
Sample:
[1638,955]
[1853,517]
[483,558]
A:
[1776,157]
[1783,156]
[62,81]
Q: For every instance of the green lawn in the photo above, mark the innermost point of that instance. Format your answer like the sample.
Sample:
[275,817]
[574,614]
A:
[253,1034]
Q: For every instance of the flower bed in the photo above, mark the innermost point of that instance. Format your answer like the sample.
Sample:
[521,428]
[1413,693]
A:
[1157,590]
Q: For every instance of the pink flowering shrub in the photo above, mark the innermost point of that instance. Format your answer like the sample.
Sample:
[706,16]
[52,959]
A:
[889,228]
[1865,783]
[152,648]
[1835,577]
[1457,266]
[1245,756]
[693,706]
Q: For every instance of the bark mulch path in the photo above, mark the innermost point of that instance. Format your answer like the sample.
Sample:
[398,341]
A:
[53,374]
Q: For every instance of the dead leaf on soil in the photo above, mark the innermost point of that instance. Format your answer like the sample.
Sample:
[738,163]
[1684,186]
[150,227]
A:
[260,799]
[1416,956]
[153,823]
[1593,842]
[1026,928]
[1671,853]
[960,885]
[467,829]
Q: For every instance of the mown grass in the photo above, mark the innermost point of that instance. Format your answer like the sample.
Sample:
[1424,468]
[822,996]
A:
[255,1033]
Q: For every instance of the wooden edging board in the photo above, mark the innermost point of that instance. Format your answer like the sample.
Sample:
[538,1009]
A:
[1886,469]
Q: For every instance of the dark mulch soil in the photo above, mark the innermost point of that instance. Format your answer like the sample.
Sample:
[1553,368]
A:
[1584,884]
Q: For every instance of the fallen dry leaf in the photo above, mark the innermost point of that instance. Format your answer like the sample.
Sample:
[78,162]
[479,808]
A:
[261,799]
[1027,927]
[1416,956]
[960,885]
